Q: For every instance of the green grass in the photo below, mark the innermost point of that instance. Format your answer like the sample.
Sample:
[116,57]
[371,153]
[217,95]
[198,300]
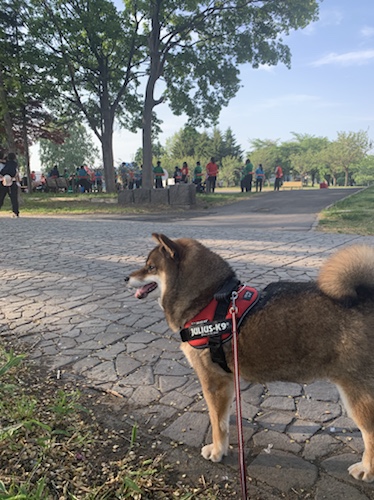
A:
[354,215]
[40,204]
[53,446]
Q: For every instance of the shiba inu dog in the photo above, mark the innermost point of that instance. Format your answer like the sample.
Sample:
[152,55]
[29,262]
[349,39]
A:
[295,332]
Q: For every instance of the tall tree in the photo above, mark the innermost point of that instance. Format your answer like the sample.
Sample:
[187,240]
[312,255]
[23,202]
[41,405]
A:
[197,46]
[347,151]
[77,149]
[94,50]
[23,88]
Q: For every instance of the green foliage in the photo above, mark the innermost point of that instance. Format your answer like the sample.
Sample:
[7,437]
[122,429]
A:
[363,172]
[78,149]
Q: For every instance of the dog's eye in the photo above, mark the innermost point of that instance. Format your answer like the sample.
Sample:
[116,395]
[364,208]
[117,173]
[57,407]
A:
[151,268]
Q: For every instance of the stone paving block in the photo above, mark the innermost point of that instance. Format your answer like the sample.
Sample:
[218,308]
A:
[322,391]
[189,428]
[142,196]
[331,489]
[103,372]
[144,395]
[158,414]
[279,403]
[160,196]
[126,197]
[301,430]
[182,194]
[253,394]
[125,364]
[165,367]
[320,411]
[177,400]
[168,383]
[283,471]
[337,466]
[320,446]
[276,440]
[142,376]
[276,421]
[284,389]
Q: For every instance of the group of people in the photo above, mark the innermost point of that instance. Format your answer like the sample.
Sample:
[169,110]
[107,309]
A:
[248,172]
[84,179]
[9,181]
[182,175]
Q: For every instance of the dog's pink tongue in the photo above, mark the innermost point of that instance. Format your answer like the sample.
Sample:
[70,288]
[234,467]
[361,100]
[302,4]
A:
[145,290]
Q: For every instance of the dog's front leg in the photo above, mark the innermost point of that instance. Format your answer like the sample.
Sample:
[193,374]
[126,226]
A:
[218,390]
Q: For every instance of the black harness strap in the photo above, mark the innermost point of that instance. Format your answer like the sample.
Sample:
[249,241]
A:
[223,301]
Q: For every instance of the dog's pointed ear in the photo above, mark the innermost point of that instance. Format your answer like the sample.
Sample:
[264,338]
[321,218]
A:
[170,246]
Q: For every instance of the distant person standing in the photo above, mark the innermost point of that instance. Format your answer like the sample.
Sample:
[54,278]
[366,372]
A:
[211,172]
[260,176]
[278,178]
[184,172]
[198,177]
[246,182]
[54,173]
[159,172]
[177,176]
[9,182]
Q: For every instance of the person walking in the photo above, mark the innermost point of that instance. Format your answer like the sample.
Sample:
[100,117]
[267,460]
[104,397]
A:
[260,176]
[211,172]
[9,183]
[159,172]
[278,178]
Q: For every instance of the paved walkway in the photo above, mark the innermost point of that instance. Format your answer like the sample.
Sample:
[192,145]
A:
[62,292]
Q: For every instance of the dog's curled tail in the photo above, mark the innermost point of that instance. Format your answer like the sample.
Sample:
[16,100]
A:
[349,273]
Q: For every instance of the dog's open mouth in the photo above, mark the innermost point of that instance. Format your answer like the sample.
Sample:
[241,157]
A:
[142,292]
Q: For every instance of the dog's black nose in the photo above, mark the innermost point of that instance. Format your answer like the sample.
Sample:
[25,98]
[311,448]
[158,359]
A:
[127,278]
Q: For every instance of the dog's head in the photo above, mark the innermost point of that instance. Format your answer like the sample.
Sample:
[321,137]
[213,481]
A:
[160,266]
[183,274]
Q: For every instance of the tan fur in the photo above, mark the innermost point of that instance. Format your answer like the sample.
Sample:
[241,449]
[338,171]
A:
[298,332]
[346,269]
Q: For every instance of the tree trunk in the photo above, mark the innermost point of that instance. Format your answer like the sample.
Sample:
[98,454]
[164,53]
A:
[147,175]
[107,144]
[149,101]
[26,149]
[8,125]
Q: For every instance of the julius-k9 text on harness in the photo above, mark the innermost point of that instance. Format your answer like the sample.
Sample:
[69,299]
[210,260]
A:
[212,326]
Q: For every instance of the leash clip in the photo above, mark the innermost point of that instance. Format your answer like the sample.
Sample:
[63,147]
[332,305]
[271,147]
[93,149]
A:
[233,308]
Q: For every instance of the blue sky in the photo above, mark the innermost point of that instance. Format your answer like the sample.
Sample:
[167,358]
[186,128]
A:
[329,88]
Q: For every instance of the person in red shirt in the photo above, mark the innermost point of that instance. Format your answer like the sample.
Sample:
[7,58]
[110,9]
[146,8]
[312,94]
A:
[278,178]
[184,172]
[211,172]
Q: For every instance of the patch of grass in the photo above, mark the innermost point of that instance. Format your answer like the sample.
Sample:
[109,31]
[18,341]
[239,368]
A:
[53,445]
[354,215]
[101,203]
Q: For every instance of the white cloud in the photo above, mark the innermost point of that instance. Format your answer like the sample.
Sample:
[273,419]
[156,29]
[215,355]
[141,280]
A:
[347,59]
[367,32]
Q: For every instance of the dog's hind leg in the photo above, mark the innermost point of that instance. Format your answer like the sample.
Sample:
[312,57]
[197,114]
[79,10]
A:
[360,407]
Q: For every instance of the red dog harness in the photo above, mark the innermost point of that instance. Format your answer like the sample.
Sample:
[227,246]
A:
[212,327]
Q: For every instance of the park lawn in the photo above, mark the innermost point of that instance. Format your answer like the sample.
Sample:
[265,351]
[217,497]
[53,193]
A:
[48,204]
[354,215]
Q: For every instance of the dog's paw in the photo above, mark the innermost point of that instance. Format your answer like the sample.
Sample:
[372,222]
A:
[359,471]
[210,453]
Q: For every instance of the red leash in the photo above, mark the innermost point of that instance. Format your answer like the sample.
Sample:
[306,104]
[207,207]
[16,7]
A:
[239,423]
